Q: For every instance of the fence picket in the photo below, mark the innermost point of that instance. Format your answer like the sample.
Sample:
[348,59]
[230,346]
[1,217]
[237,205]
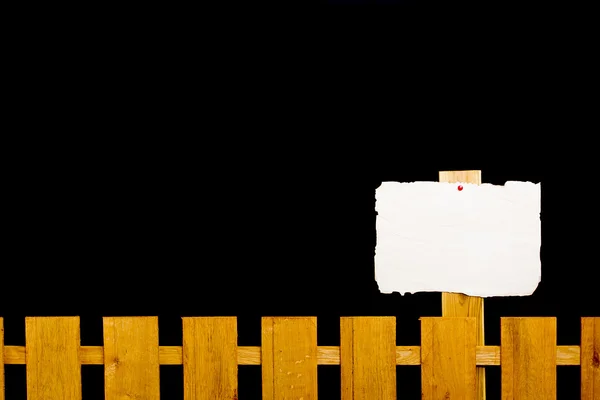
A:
[131,364]
[448,365]
[210,358]
[590,358]
[528,358]
[289,358]
[52,358]
[368,358]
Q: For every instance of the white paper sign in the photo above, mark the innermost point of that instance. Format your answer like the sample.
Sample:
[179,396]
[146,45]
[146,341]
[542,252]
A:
[483,240]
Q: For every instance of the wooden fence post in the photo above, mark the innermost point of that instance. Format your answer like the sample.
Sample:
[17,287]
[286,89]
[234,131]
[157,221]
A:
[289,358]
[458,304]
[590,358]
[368,358]
[528,358]
[448,364]
[131,363]
[210,358]
[52,358]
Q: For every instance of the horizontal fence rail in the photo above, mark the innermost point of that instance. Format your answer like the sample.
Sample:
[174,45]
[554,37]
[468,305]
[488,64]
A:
[289,356]
[326,355]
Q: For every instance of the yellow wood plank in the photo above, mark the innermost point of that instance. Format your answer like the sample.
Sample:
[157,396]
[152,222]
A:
[368,358]
[289,358]
[590,358]
[448,367]
[458,304]
[52,357]
[347,357]
[528,358]
[1,358]
[466,176]
[210,369]
[131,364]
[267,358]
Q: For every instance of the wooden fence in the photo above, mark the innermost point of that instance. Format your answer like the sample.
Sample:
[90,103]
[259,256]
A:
[289,356]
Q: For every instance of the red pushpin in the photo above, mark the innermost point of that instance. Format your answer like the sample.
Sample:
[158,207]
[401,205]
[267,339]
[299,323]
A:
[460,188]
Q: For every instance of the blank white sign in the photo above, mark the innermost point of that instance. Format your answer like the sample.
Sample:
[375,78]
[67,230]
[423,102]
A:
[483,240]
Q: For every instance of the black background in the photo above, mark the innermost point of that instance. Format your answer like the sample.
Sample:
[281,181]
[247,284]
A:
[254,226]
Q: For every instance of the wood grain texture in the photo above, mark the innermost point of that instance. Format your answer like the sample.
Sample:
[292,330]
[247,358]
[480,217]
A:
[131,364]
[458,304]
[1,358]
[466,176]
[210,370]
[289,358]
[528,358]
[590,358]
[52,358]
[368,358]
[448,367]
[326,355]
